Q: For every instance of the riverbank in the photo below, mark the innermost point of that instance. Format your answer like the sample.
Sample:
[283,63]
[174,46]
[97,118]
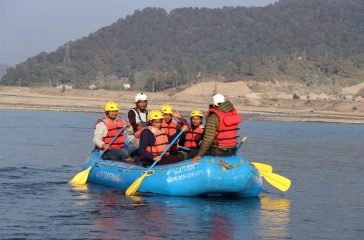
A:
[275,109]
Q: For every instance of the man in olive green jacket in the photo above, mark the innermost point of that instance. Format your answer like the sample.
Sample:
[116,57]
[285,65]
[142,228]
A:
[210,144]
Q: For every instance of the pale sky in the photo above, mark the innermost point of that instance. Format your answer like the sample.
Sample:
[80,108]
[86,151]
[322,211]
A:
[28,27]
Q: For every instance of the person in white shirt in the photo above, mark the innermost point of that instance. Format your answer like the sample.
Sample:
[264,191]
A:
[106,129]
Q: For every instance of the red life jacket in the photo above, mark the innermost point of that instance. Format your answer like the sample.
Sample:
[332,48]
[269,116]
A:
[227,132]
[170,129]
[160,143]
[112,129]
[194,136]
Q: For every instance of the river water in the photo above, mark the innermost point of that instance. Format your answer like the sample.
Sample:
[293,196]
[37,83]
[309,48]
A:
[40,151]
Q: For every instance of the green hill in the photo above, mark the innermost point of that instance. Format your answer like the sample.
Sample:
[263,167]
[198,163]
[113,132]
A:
[313,41]
[3,68]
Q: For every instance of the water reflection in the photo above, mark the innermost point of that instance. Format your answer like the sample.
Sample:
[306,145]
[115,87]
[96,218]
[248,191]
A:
[82,193]
[274,217]
[159,217]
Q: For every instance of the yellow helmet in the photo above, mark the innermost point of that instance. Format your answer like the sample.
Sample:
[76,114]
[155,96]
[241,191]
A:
[166,109]
[111,106]
[155,114]
[196,113]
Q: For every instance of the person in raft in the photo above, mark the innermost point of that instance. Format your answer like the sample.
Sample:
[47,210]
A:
[192,138]
[138,118]
[106,129]
[170,125]
[153,141]
[221,131]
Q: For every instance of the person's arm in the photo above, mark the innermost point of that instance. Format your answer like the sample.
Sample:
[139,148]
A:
[184,128]
[146,139]
[181,120]
[99,134]
[132,120]
[209,134]
[128,128]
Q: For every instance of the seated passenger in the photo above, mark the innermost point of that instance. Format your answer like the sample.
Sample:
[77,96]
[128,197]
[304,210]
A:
[138,118]
[169,125]
[153,141]
[106,129]
[221,131]
[191,139]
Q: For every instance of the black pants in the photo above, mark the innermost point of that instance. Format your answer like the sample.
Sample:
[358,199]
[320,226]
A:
[116,154]
[213,151]
[165,160]
[172,158]
[221,152]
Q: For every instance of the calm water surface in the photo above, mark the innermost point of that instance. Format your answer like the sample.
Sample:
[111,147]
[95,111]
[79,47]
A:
[40,151]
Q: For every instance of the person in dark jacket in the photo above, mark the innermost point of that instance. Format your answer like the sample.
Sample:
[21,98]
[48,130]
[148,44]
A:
[138,118]
[153,141]
[221,130]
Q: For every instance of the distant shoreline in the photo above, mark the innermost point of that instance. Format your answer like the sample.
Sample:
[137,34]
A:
[93,101]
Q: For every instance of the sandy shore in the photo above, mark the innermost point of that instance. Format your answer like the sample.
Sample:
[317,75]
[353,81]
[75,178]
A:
[54,99]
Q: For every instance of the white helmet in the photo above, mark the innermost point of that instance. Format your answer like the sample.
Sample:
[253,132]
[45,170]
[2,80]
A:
[141,97]
[218,98]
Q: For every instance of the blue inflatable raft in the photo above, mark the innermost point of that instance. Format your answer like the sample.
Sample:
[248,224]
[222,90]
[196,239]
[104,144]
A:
[210,176]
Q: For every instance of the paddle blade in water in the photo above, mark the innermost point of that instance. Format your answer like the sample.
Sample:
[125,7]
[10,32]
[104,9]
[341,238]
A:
[262,167]
[135,185]
[276,180]
[81,177]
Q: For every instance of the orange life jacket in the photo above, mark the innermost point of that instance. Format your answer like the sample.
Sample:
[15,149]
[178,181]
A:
[139,132]
[194,136]
[112,129]
[227,132]
[160,143]
[170,129]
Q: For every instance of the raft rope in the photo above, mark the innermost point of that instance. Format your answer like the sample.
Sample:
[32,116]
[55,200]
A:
[221,162]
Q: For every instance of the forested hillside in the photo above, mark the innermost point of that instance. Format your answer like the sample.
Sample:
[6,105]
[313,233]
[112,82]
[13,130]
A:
[3,68]
[317,42]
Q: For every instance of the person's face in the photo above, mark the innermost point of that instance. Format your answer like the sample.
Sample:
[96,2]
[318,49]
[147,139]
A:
[112,114]
[196,121]
[167,117]
[142,104]
[157,123]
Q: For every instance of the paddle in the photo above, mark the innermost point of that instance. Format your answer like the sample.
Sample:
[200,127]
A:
[81,177]
[276,180]
[241,143]
[266,171]
[136,184]
[184,148]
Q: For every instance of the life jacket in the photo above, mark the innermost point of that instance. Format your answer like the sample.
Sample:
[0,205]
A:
[140,117]
[160,143]
[112,129]
[139,132]
[170,129]
[193,137]
[227,132]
